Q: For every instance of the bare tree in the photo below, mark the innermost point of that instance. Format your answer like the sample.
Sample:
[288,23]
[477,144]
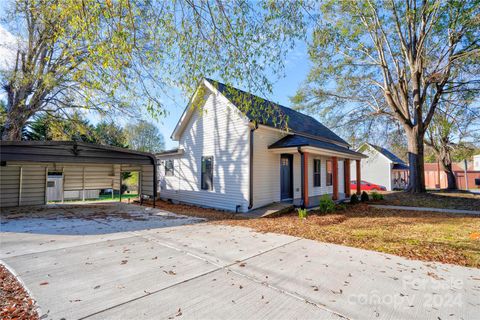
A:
[393,59]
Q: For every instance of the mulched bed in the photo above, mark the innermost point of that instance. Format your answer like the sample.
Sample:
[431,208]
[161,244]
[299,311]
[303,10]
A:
[434,199]
[427,236]
[15,303]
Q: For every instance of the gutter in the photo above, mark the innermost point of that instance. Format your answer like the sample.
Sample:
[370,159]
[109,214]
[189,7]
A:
[250,186]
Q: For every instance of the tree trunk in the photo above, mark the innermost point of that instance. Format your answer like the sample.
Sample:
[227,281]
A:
[451,180]
[416,161]
[447,168]
[12,130]
[13,127]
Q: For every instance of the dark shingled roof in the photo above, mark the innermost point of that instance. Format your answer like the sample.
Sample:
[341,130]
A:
[274,115]
[301,141]
[387,154]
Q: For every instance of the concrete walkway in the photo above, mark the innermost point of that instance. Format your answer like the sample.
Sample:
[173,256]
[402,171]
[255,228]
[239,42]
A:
[472,212]
[207,271]
[271,209]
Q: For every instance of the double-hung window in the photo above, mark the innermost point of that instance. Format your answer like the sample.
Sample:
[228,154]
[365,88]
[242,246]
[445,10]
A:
[316,172]
[329,173]
[169,168]
[207,173]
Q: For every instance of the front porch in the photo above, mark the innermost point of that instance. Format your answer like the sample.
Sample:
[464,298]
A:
[310,168]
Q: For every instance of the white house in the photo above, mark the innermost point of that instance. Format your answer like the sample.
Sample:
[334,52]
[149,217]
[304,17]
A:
[476,162]
[239,161]
[382,167]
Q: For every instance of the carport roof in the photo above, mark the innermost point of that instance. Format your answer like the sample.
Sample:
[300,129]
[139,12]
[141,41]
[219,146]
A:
[71,151]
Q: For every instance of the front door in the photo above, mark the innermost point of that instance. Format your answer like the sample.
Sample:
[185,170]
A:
[286,176]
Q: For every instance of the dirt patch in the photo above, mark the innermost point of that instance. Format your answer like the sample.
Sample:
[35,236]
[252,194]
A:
[15,303]
[434,199]
[193,211]
[427,236]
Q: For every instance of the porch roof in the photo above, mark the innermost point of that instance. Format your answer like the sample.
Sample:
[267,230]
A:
[400,166]
[292,141]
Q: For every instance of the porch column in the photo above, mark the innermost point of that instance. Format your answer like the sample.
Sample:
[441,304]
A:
[305,179]
[346,175]
[359,177]
[335,178]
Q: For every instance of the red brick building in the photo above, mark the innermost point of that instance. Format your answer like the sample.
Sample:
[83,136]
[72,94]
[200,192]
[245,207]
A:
[436,178]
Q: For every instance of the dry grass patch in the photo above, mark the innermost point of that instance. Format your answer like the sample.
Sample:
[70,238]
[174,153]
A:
[415,235]
[434,199]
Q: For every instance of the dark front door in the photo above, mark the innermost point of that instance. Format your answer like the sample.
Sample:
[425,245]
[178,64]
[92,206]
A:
[286,176]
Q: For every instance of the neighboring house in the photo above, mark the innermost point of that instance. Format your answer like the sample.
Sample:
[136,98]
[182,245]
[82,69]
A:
[476,162]
[239,161]
[436,178]
[382,167]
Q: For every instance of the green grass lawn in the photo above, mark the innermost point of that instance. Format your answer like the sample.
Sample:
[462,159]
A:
[103,197]
[106,197]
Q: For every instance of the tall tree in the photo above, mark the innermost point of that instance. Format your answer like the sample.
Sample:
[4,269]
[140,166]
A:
[393,59]
[144,136]
[454,126]
[46,127]
[110,55]
[109,133]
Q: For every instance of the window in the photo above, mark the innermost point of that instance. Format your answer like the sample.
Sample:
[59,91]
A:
[50,184]
[207,173]
[169,168]
[316,173]
[329,173]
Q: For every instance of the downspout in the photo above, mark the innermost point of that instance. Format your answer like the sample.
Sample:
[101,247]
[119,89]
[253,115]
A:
[250,182]
[301,174]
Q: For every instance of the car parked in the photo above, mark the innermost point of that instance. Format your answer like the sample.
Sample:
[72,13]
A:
[365,185]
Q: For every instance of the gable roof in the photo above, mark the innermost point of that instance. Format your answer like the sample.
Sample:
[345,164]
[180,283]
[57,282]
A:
[389,155]
[274,115]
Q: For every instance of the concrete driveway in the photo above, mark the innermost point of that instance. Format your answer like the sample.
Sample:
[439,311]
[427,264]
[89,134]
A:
[181,268]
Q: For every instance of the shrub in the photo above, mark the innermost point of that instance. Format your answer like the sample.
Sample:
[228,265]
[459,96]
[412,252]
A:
[340,207]
[364,197]
[376,196]
[326,204]
[354,199]
[302,213]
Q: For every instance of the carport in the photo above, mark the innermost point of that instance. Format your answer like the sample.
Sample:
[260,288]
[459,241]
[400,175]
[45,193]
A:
[82,167]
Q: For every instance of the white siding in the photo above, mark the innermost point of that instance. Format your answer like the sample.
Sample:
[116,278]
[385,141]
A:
[217,130]
[375,169]
[266,168]
[323,189]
